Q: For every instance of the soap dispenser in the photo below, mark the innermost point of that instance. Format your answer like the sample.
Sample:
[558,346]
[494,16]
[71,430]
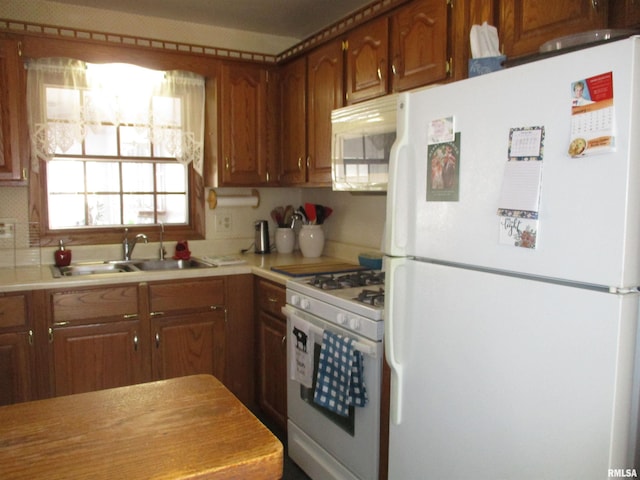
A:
[62,256]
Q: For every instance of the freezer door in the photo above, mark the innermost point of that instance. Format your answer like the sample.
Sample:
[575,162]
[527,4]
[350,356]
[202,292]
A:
[496,377]
[589,207]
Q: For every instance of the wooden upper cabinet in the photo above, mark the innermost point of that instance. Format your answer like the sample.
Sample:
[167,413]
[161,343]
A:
[526,24]
[293,114]
[419,44]
[13,122]
[367,61]
[243,125]
[324,93]
[624,14]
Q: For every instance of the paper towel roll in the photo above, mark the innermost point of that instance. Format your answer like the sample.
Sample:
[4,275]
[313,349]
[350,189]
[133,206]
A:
[252,200]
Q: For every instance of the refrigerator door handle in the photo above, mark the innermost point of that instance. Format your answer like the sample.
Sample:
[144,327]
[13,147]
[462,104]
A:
[394,282]
[398,210]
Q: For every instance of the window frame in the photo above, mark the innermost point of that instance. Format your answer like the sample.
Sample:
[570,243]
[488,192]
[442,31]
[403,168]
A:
[38,46]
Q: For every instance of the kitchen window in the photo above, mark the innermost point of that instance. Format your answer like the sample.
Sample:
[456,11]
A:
[115,144]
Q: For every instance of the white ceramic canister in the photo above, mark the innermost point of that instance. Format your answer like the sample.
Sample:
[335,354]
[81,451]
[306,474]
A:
[285,239]
[311,240]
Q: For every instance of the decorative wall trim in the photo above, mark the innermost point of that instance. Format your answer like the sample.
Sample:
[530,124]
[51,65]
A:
[14,26]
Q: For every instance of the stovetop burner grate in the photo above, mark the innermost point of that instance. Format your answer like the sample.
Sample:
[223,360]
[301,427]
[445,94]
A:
[349,280]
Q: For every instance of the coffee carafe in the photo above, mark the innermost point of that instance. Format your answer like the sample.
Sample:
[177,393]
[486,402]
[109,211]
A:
[262,237]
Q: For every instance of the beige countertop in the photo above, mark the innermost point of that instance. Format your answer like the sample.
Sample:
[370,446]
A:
[41,277]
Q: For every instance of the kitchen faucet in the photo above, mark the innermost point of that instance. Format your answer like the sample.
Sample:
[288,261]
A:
[127,247]
[163,252]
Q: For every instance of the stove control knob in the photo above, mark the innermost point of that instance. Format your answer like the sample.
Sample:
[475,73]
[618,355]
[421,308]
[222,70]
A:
[354,323]
[342,318]
[305,303]
[295,300]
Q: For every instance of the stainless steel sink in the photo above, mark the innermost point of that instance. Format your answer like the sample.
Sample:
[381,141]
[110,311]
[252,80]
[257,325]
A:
[92,269]
[170,264]
[122,266]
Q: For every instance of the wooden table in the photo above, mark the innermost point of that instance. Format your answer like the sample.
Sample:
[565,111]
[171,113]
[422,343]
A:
[189,427]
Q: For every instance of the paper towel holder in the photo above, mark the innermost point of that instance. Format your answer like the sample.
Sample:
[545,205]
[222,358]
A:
[251,200]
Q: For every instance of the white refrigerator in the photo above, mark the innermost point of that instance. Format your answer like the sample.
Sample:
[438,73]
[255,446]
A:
[514,358]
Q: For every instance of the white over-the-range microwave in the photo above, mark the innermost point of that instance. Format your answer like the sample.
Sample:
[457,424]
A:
[361,139]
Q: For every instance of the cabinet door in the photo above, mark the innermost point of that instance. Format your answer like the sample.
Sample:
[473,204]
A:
[324,93]
[624,14]
[527,24]
[16,360]
[419,44]
[189,344]
[12,114]
[97,339]
[243,125]
[367,61]
[293,98]
[272,351]
[94,357]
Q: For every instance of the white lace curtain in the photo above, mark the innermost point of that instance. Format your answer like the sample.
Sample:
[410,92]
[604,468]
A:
[68,98]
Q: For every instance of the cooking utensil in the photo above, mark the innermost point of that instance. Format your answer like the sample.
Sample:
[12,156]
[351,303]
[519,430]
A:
[303,213]
[310,210]
[288,215]
[319,214]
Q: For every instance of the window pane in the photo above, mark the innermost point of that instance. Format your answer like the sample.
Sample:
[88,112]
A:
[101,140]
[104,209]
[137,177]
[134,142]
[172,208]
[138,209]
[65,176]
[103,177]
[171,177]
[66,211]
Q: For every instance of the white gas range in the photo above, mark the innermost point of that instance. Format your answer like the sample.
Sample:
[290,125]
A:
[321,442]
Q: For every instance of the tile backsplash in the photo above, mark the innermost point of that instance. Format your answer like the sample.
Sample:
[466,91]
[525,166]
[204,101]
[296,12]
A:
[356,225]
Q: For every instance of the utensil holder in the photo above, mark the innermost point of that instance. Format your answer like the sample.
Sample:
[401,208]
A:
[285,238]
[311,240]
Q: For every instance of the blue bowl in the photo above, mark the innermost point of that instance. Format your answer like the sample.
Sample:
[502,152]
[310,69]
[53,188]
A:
[372,261]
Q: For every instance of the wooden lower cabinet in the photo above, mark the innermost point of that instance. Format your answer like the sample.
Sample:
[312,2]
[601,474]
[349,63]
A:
[95,357]
[272,351]
[95,337]
[189,345]
[16,349]
[111,336]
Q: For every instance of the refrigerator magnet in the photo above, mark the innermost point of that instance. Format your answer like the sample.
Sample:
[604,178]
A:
[443,171]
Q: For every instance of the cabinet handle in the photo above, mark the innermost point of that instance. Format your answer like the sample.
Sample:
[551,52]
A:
[156,314]
[267,177]
[594,5]
[50,335]
[135,342]
[308,161]
[299,163]
[272,299]
[227,164]
[284,341]
[31,337]
[19,49]
[60,324]
[129,316]
[379,74]
[157,339]
[393,69]
[220,307]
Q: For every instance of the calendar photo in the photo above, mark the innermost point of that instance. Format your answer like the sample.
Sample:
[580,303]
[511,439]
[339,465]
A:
[592,116]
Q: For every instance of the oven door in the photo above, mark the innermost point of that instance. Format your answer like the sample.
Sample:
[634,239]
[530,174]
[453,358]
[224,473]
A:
[352,441]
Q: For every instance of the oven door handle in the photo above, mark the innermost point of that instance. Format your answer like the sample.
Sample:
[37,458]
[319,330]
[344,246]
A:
[367,348]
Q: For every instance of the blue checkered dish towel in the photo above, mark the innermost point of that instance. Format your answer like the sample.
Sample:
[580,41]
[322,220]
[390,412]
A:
[340,381]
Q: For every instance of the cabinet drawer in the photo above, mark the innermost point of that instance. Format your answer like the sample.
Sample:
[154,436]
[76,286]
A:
[13,311]
[186,295]
[88,305]
[271,297]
